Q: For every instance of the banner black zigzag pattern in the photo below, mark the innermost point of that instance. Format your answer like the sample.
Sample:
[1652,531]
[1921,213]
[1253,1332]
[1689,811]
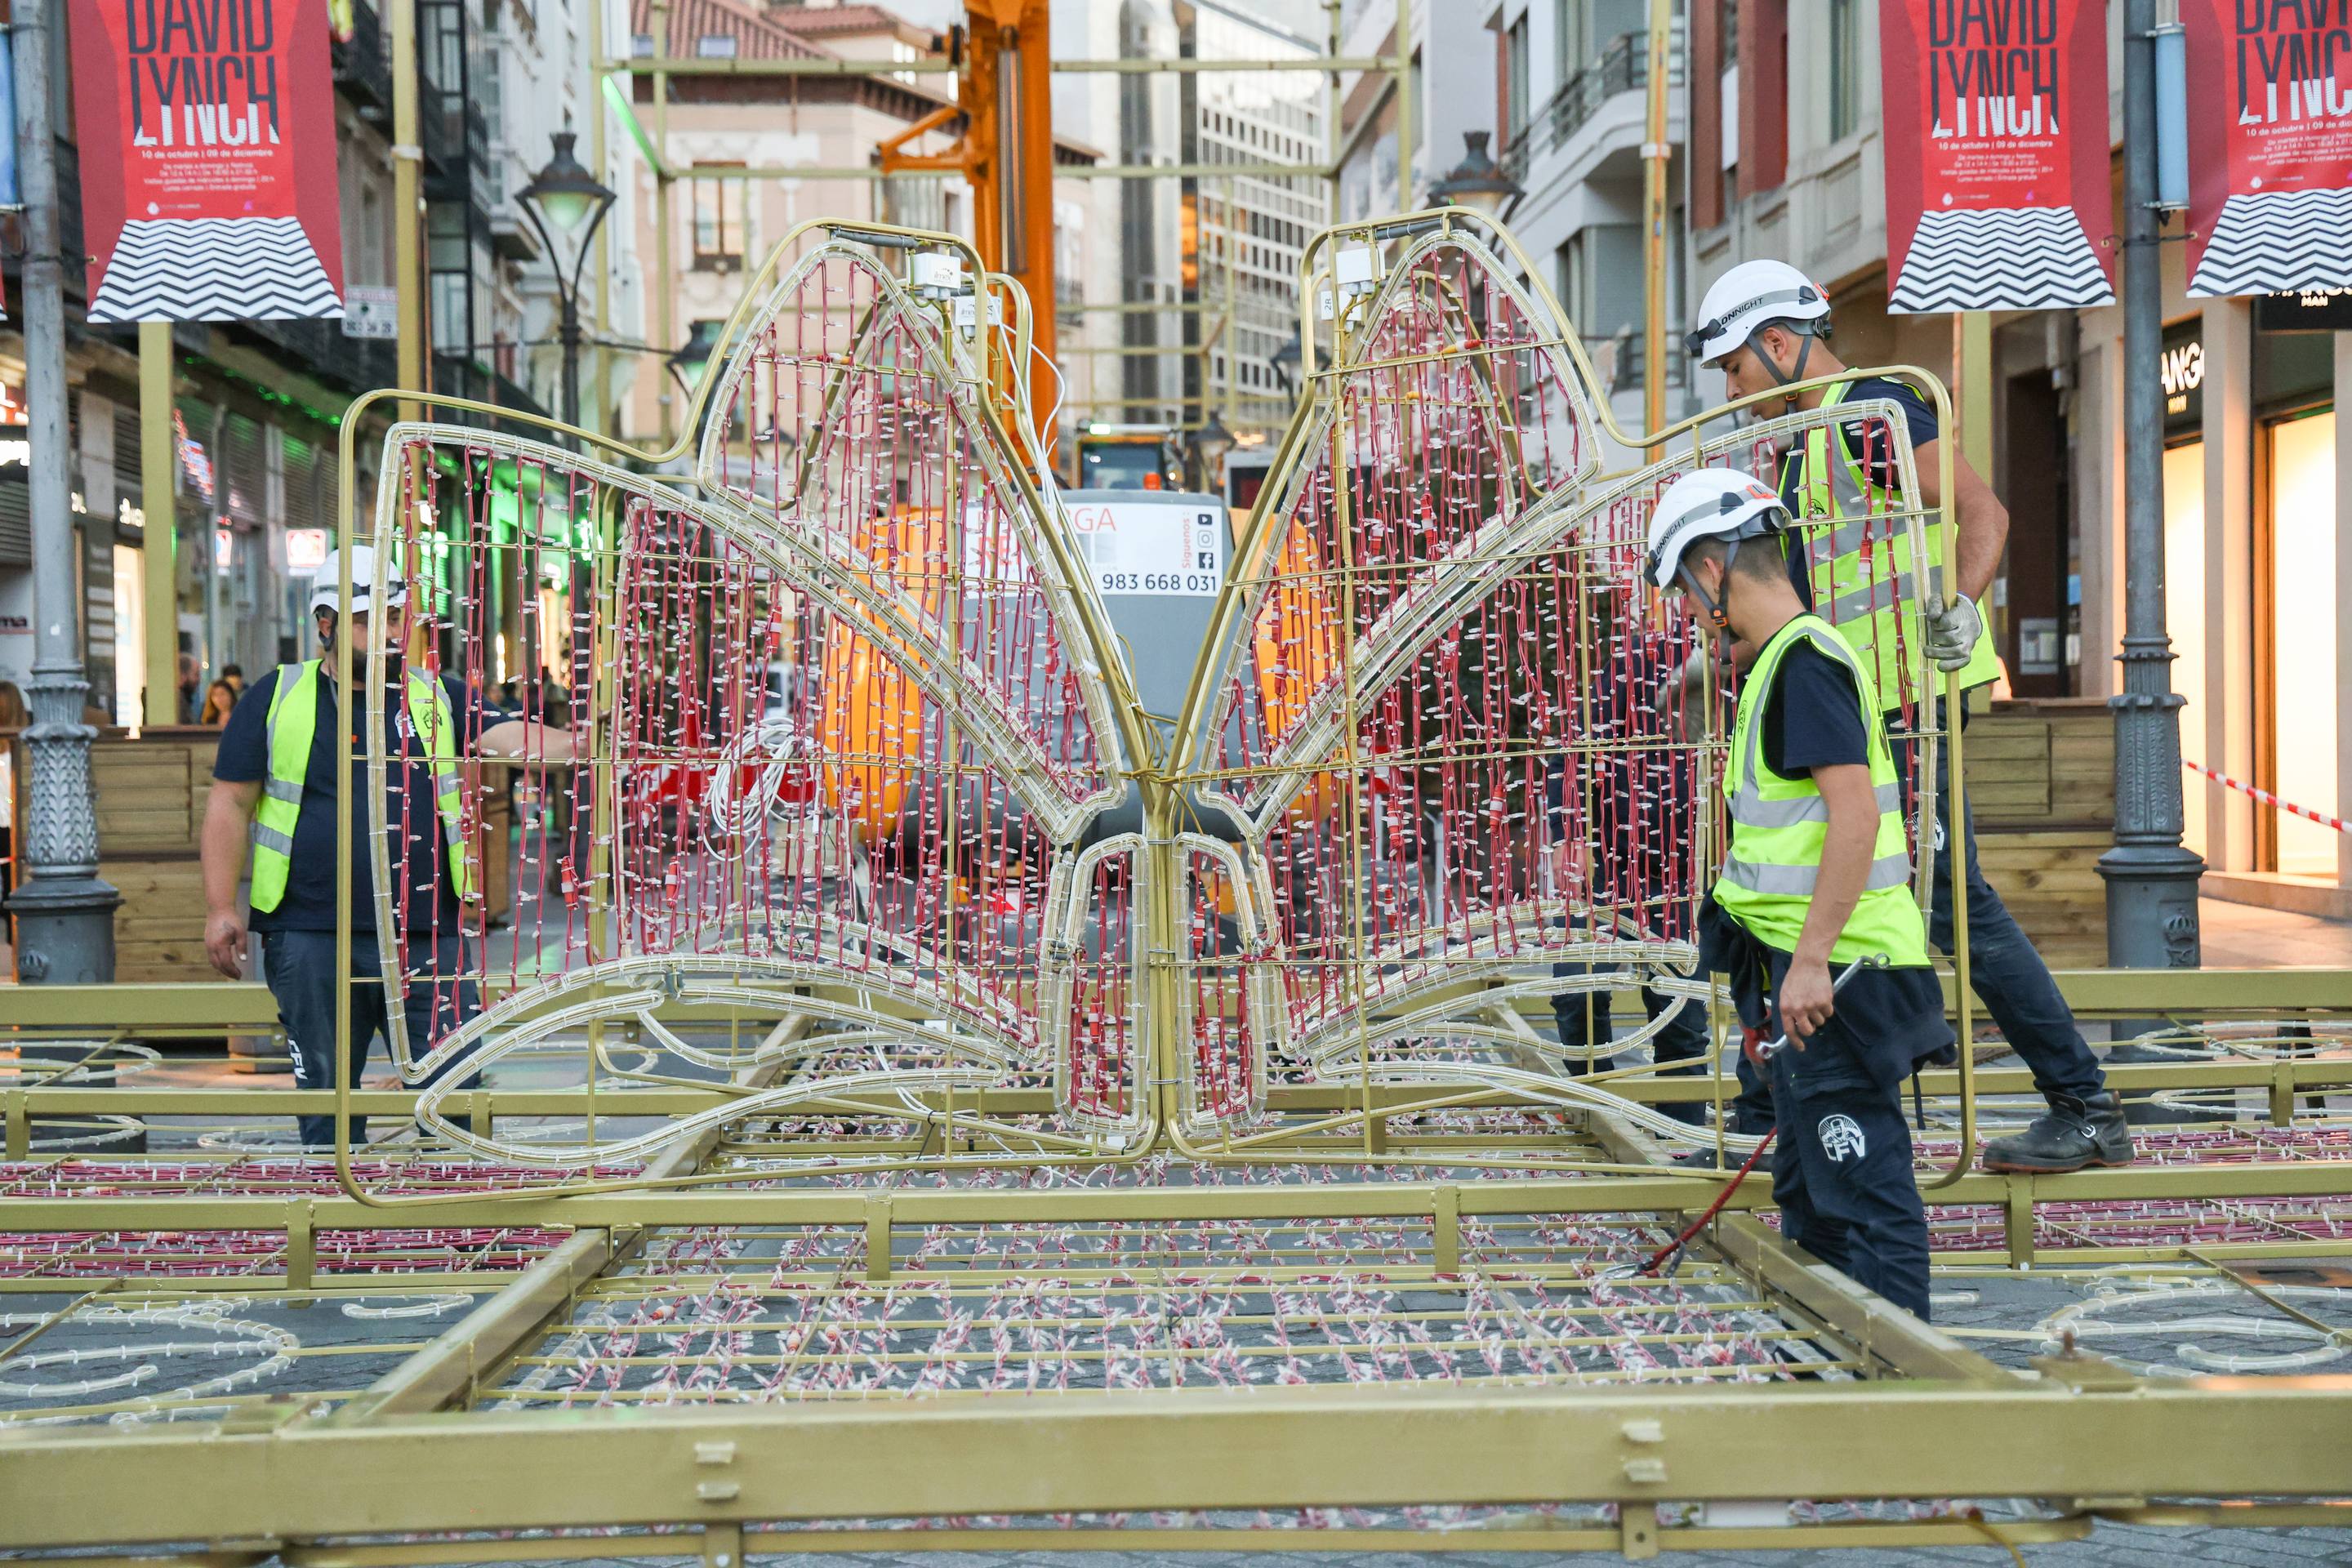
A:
[214,270]
[2277,242]
[2009,258]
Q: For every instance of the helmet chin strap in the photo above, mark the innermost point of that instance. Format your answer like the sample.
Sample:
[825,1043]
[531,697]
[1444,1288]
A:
[1715,613]
[1804,353]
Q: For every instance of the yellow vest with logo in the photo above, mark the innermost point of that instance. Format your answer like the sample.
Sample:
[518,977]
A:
[1864,583]
[1778,825]
[293,722]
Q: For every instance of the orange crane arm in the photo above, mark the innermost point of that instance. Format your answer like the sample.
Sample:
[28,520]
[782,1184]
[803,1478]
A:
[1004,91]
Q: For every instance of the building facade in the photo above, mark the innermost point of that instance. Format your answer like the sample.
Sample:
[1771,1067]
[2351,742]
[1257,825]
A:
[1574,102]
[259,407]
[1785,159]
[1247,232]
[723,224]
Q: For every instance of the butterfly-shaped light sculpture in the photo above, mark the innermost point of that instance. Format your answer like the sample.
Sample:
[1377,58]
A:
[852,724]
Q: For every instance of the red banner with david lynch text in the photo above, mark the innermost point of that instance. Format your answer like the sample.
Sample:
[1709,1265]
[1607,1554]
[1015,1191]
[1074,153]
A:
[2270,145]
[1996,141]
[208,141]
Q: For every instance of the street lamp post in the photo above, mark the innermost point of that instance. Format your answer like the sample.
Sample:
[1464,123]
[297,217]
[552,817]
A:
[1285,361]
[565,198]
[1477,181]
[1210,444]
[2151,877]
[691,360]
[63,913]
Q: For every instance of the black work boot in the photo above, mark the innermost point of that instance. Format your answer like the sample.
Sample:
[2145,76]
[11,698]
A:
[2071,1134]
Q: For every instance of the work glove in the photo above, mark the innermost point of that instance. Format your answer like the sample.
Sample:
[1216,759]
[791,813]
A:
[1952,632]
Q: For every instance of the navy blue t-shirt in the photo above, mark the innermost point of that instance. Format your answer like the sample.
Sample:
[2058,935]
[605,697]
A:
[1918,418]
[1813,715]
[419,860]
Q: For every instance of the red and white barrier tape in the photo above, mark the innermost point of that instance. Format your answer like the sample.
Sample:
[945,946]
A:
[2267,798]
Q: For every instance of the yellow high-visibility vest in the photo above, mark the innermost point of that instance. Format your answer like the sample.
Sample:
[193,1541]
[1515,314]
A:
[1779,824]
[1862,581]
[293,722]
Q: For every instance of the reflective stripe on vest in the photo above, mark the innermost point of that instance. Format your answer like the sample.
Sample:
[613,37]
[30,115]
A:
[1780,826]
[1864,583]
[291,727]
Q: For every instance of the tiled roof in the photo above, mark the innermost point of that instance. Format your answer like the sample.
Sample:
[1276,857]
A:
[756,36]
[816,21]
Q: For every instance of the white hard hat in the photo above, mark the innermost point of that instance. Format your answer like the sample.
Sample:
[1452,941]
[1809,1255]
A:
[324,586]
[1711,503]
[1751,295]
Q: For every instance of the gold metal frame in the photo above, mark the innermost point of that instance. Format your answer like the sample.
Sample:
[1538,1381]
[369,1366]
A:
[1914,1412]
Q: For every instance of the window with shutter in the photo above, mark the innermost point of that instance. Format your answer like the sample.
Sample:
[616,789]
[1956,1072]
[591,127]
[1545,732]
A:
[127,470]
[302,468]
[245,471]
[16,525]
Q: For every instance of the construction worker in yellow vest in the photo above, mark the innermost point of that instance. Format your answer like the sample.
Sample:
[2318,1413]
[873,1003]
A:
[1765,325]
[275,788]
[1817,879]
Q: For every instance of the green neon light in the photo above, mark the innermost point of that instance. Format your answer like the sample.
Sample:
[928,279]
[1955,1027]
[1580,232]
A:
[615,94]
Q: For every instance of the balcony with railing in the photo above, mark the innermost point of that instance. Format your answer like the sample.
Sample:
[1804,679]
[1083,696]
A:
[1621,67]
[364,64]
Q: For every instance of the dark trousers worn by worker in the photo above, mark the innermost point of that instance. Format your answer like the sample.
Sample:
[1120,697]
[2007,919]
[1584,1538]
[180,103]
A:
[299,968]
[1584,1024]
[1841,1169]
[2004,970]
[1841,1176]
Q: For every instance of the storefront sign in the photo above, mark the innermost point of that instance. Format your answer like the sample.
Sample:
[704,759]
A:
[1997,188]
[2311,311]
[305,551]
[2270,146]
[207,139]
[2182,372]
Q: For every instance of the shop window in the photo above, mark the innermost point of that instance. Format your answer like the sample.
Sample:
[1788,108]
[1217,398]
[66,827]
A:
[2184,611]
[2304,695]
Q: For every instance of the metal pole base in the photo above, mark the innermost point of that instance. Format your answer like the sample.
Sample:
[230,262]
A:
[2152,906]
[2152,923]
[64,931]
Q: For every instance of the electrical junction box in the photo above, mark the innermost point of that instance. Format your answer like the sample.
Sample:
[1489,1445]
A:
[936,276]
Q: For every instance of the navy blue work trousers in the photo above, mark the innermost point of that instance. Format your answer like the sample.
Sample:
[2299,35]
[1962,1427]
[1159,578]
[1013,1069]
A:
[299,968]
[1841,1176]
[2004,970]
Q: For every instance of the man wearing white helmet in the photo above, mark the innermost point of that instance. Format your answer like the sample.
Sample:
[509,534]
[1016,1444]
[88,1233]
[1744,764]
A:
[1764,324]
[1817,876]
[275,786]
